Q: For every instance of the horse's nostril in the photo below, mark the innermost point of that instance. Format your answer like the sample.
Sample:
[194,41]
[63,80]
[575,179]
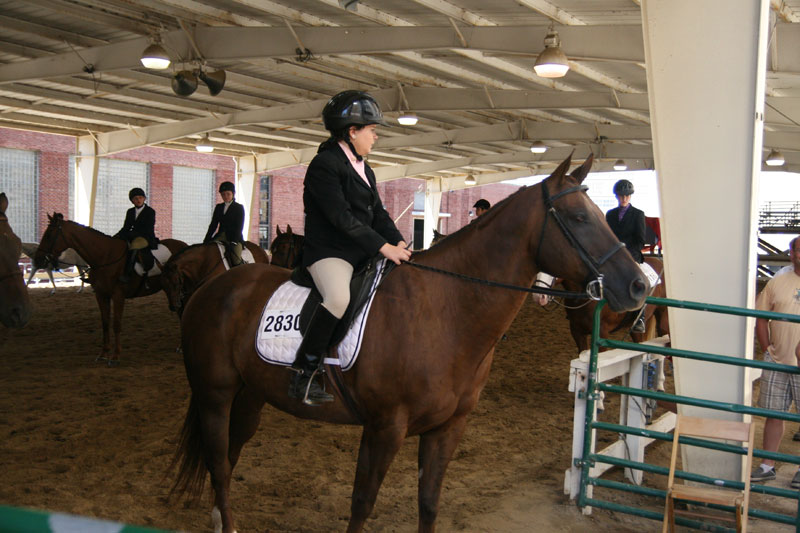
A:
[638,288]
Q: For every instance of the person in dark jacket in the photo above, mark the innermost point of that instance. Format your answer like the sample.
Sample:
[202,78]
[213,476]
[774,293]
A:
[228,222]
[628,225]
[481,206]
[139,230]
[346,224]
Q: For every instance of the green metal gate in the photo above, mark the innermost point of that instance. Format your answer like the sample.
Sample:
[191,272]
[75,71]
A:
[593,388]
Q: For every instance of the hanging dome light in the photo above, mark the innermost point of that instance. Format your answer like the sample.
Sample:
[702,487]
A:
[470,180]
[538,147]
[775,159]
[204,145]
[155,57]
[619,164]
[552,62]
[407,119]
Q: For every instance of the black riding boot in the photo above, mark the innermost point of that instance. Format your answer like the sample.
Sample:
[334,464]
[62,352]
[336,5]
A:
[309,358]
[639,326]
[130,263]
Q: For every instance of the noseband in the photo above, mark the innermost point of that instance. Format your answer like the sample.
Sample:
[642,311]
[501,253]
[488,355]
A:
[594,286]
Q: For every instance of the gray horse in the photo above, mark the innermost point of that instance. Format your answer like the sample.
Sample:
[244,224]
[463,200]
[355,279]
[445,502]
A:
[68,258]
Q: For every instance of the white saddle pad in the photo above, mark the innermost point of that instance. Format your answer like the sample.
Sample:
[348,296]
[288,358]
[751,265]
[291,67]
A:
[247,255]
[162,254]
[651,275]
[278,336]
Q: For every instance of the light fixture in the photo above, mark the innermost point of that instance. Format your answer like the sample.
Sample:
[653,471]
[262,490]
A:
[552,62]
[407,119]
[204,145]
[349,5]
[155,57]
[470,180]
[215,80]
[538,147]
[184,83]
[774,159]
[619,164]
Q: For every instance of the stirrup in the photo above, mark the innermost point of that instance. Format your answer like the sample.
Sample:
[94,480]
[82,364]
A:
[320,396]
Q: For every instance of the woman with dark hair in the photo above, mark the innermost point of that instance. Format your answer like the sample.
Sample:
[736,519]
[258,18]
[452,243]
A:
[227,222]
[346,224]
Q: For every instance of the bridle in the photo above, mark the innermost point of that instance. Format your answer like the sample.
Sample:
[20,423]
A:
[17,271]
[594,286]
[53,259]
[290,255]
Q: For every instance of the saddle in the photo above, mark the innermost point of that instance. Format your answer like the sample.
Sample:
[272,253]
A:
[230,256]
[359,294]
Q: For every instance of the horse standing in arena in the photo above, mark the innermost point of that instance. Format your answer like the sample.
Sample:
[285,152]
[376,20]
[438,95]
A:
[286,249]
[68,258]
[581,314]
[106,258]
[194,265]
[426,352]
[15,304]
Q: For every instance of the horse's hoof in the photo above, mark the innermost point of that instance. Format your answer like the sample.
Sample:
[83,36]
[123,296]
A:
[100,358]
[112,362]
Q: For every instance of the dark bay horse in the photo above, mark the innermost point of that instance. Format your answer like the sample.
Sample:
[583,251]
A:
[580,314]
[286,248]
[106,258]
[426,352]
[15,304]
[194,265]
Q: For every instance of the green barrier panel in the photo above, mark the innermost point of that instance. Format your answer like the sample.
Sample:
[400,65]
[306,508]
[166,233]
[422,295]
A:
[590,424]
[16,520]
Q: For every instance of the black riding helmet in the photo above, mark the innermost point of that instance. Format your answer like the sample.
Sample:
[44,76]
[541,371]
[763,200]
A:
[623,188]
[351,108]
[136,191]
[227,186]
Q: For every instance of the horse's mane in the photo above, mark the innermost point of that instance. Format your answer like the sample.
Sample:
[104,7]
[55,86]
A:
[97,231]
[190,247]
[477,223]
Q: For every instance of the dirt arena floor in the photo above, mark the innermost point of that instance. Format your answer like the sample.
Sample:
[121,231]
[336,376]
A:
[79,437]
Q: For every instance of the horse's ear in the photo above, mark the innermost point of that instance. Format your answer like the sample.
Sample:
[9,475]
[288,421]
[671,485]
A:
[562,169]
[278,229]
[289,229]
[3,202]
[49,218]
[582,171]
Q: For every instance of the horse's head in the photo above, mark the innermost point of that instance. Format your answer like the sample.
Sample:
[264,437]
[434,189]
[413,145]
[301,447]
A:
[576,243]
[286,247]
[15,304]
[172,282]
[52,244]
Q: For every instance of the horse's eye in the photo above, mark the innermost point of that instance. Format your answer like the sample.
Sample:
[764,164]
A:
[578,218]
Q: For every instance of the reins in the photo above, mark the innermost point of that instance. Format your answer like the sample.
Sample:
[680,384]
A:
[54,260]
[594,287]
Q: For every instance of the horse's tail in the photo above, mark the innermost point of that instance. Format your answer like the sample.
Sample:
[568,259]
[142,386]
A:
[192,472]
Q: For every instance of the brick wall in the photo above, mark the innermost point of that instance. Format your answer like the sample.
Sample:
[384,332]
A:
[286,185]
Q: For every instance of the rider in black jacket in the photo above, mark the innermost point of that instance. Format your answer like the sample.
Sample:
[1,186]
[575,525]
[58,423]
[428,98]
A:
[227,222]
[139,230]
[346,224]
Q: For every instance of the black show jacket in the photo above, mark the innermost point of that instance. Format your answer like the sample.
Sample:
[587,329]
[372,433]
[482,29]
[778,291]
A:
[230,223]
[143,226]
[344,216]
[630,230]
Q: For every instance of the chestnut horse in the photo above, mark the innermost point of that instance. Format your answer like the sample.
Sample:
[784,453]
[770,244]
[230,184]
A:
[286,248]
[426,351]
[106,258]
[581,314]
[194,265]
[15,304]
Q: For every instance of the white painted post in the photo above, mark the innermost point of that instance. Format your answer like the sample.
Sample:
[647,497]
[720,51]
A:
[247,189]
[705,76]
[433,201]
[87,164]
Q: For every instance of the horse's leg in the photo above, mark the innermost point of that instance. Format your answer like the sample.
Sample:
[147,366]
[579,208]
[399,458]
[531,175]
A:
[245,417]
[80,275]
[436,447]
[33,273]
[118,298]
[104,303]
[378,448]
[52,280]
[216,426]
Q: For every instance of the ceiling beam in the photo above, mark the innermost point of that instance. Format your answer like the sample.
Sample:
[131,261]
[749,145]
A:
[232,44]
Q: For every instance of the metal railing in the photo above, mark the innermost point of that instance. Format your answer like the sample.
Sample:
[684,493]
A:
[593,388]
